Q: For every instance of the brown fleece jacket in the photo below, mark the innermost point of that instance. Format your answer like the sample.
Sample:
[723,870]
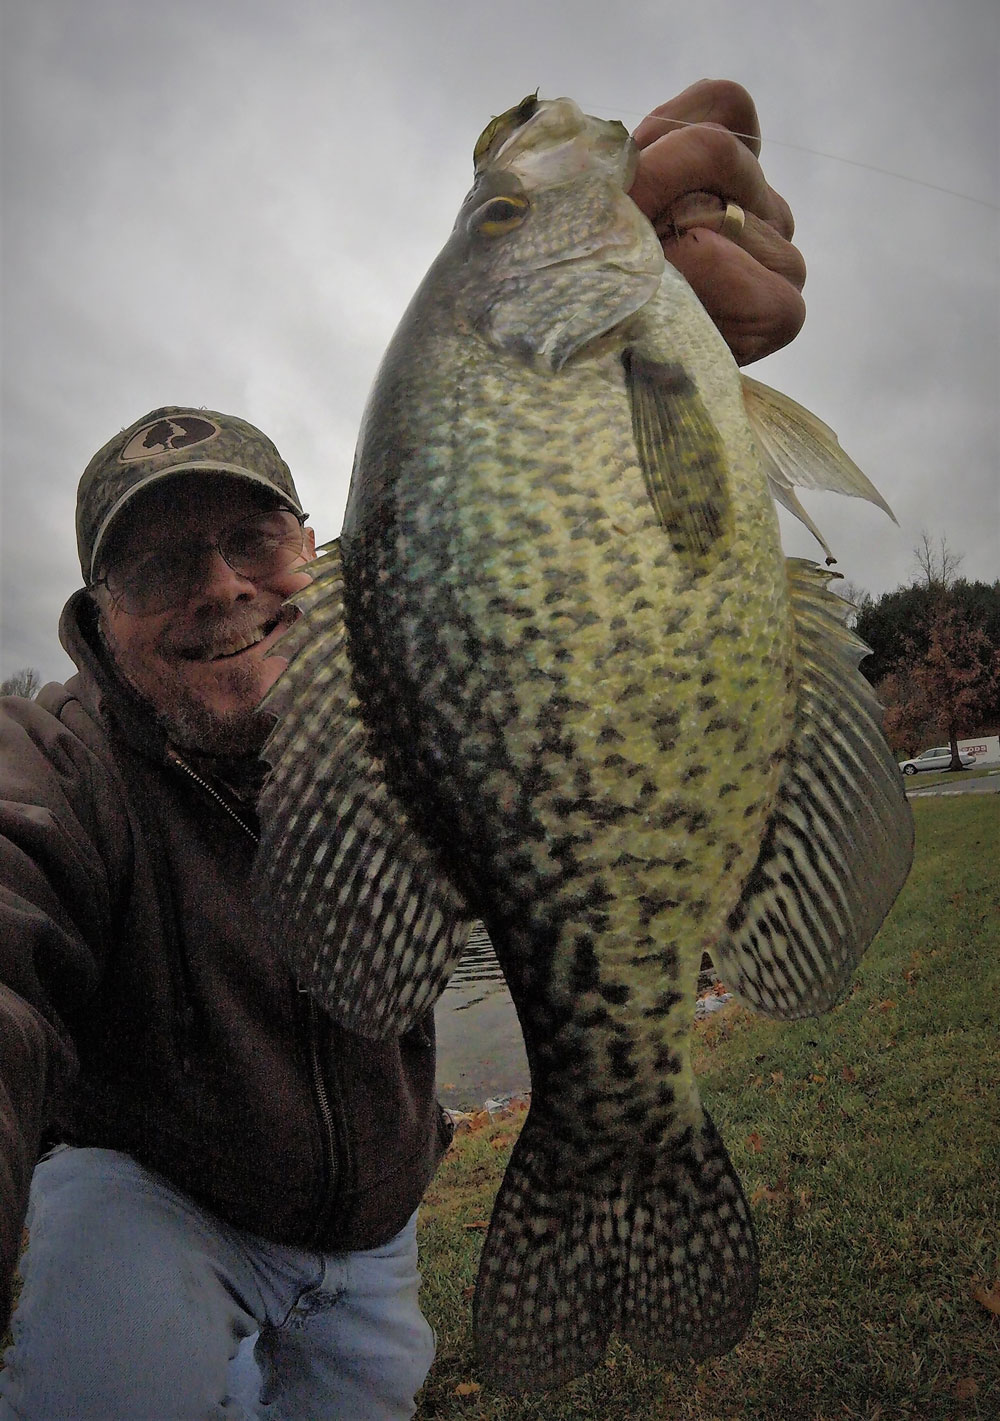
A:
[140,1008]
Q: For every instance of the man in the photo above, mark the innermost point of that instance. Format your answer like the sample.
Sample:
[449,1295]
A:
[225,1163]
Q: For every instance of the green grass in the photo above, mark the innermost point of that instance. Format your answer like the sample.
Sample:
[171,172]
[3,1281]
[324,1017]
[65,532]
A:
[868,1141]
[926,778]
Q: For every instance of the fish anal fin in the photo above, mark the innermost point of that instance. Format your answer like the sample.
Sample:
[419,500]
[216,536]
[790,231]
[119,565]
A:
[839,844]
[681,454]
[351,896]
[666,1259]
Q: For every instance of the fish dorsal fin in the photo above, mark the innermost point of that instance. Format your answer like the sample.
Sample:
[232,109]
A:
[840,841]
[353,898]
[800,451]
[681,454]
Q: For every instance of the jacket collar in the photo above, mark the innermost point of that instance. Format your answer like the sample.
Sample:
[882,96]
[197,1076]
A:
[101,686]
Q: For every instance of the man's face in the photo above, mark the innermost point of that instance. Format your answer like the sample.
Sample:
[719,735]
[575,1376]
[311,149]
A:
[205,664]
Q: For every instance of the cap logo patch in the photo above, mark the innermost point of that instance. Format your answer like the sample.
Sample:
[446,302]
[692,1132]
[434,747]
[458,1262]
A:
[164,436]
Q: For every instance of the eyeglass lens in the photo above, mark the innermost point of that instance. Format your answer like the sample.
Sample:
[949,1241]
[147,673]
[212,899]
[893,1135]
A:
[256,547]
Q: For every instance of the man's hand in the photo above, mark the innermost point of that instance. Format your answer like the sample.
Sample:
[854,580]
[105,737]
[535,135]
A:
[750,284]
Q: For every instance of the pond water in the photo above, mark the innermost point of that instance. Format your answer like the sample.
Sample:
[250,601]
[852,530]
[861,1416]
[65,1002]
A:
[480,1049]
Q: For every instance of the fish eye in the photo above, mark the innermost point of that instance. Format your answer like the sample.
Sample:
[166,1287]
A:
[500,214]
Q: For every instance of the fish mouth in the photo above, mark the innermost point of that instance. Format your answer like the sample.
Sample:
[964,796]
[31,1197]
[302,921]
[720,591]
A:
[237,644]
[542,140]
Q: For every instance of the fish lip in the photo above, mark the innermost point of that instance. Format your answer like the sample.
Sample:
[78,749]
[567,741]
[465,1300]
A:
[605,143]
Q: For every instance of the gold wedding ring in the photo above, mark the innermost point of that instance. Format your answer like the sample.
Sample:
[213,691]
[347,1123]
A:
[733,222]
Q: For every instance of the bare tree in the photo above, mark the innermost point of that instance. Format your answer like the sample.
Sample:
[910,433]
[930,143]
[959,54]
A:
[26,683]
[936,563]
[856,597]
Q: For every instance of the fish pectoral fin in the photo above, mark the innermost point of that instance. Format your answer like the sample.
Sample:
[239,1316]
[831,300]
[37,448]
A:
[681,454]
[349,894]
[666,1258]
[839,844]
[800,451]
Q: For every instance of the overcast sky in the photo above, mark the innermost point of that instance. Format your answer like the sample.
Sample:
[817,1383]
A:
[228,203]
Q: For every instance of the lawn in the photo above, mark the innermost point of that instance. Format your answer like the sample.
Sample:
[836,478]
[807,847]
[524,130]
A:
[867,1142]
[927,779]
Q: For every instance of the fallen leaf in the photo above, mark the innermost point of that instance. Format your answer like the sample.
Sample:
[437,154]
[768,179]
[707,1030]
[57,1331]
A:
[848,1075]
[818,1080]
[887,1005]
[966,1389]
[500,1142]
[480,1224]
[467,1388]
[988,1297]
[777,1077]
[755,1142]
[469,1292]
[771,1196]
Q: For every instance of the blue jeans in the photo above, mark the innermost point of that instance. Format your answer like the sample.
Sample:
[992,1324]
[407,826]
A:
[140,1306]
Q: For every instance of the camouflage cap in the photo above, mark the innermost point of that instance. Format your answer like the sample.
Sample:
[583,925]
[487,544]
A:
[166,442]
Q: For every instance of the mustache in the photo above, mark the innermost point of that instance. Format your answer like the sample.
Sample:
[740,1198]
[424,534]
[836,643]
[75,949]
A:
[228,633]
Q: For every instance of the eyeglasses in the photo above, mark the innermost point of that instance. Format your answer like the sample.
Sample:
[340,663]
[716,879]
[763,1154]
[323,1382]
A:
[257,547]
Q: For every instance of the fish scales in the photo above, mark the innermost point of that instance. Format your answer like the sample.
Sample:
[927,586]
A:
[573,654]
[504,672]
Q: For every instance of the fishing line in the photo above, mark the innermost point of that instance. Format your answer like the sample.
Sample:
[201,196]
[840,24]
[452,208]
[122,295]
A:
[818,153]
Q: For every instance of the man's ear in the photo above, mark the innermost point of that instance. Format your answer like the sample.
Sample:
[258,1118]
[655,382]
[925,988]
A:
[310,537]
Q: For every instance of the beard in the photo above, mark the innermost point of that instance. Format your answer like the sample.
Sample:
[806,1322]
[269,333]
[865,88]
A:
[189,723]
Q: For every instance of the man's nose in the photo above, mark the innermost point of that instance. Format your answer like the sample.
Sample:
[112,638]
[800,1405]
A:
[222,583]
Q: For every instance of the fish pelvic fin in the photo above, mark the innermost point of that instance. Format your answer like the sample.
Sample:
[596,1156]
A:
[681,454]
[350,895]
[666,1259]
[800,451]
[839,844]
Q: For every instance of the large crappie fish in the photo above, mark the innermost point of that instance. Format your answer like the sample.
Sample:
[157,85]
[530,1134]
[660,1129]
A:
[557,675]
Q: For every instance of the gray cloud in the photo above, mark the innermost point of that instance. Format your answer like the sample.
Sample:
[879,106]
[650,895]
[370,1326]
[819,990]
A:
[229,204]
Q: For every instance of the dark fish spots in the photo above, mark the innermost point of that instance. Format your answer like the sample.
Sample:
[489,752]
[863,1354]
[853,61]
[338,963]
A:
[731,854]
[664,1004]
[675,812]
[620,1061]
[667,1061]
[665,729]
[724,722]
[629,691]
[595,1017]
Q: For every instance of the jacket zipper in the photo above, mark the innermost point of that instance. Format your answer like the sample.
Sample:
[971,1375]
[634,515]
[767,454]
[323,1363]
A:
[328,1130]
[329,1127]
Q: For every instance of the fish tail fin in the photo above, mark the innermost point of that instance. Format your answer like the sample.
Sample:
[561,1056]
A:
[665,1256]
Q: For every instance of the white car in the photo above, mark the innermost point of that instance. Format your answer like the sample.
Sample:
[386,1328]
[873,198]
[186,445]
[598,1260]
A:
[937,759]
